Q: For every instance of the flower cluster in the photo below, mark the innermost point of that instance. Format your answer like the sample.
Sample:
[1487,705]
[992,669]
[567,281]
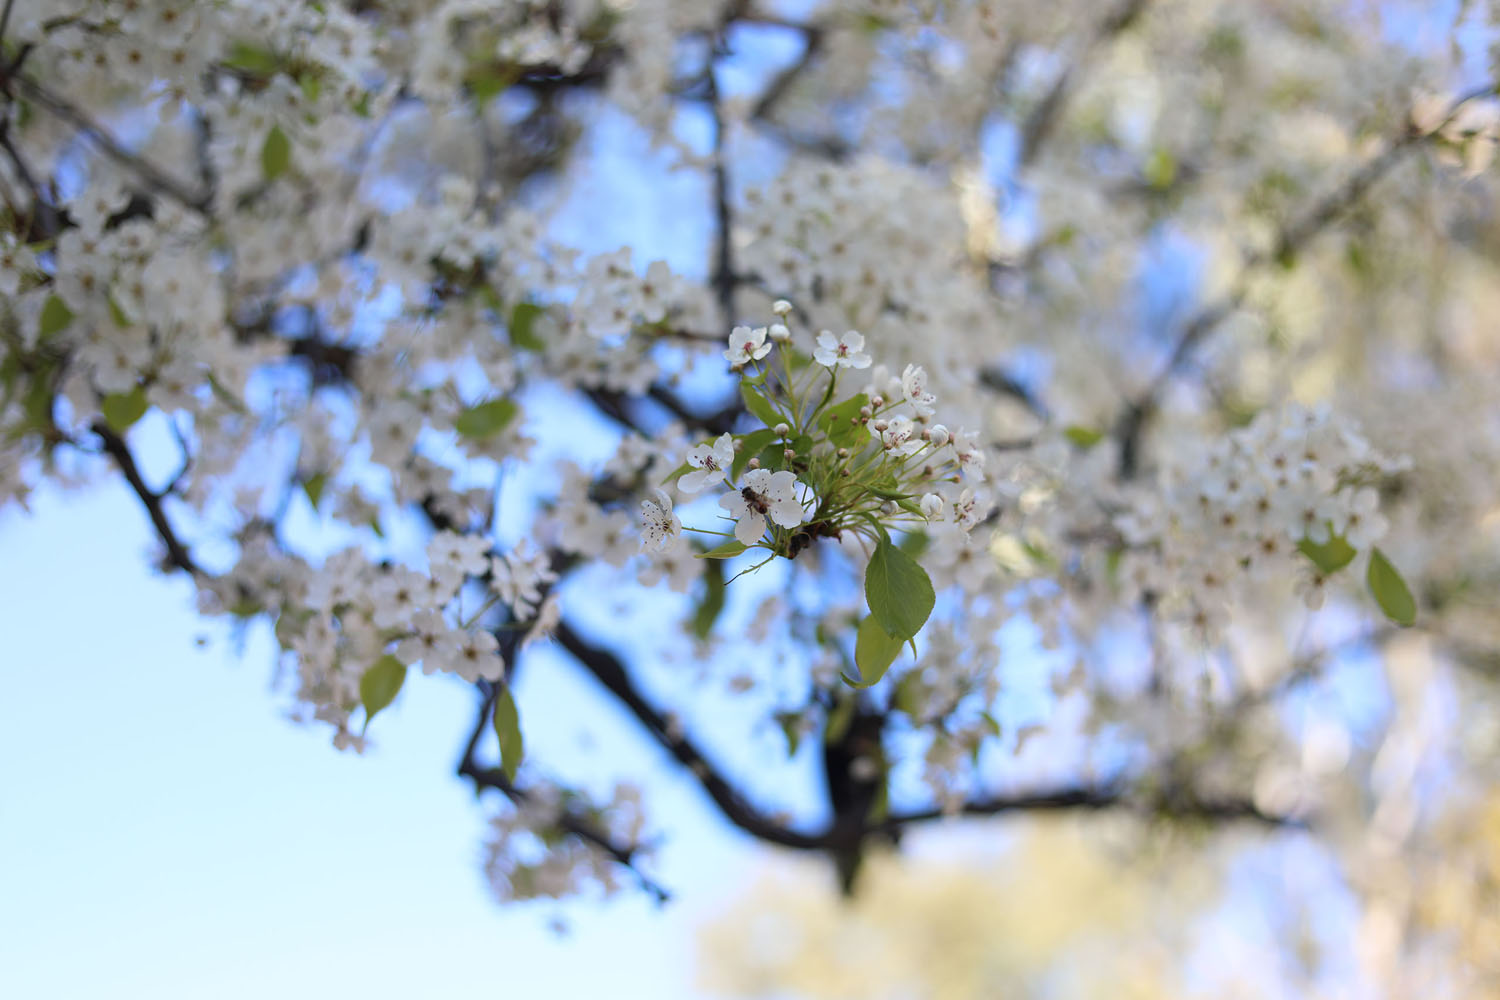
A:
[1293,493]
[814,465]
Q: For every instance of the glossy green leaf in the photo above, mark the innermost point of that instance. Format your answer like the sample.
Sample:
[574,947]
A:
[840,423]
[760,406]
[507,723]
[275,153]
[1390,591]
[486,419]
[1329,557]
[751,445]
[122,409]
[55,317]
[875,650]
[898,590]
[677,473]
[380,684]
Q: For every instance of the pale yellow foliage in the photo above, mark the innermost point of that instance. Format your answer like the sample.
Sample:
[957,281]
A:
[1062,908]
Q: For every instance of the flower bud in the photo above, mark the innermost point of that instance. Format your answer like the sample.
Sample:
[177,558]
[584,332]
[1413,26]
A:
[754,463]
[782,430]
[880,425]
[865,412]
[937,434]
[782,308]
[932,506]
[843,453]
[789,454]
[877,401]
[889,507]
[780,334]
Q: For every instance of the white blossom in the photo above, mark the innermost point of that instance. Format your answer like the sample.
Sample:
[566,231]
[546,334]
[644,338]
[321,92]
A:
[658,524]
[746,345]
[711,463]
[765,494]
[843,352]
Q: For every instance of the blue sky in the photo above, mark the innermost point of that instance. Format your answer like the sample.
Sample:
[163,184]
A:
[168,833]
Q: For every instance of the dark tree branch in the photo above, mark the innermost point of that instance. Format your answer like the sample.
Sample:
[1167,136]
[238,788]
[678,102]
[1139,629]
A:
[813,39]
[1045,116]
[200,202]
[1176,804]
[568,821]
[116,448]
[610,672]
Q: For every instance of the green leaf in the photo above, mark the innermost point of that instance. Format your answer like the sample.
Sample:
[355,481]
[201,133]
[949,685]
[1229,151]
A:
[874,651]
[728,550]
[311,87]
[791,728]
[839,718]
[123,409]
[55,317]
[1161,169]
[773,456]
[313,486]
[1390,591]
[523,326]
[1331,556]
[488,81]
[677,473]
[840,423]
[117,314]
[914,543]
[1083,437]
[508,728]
[751,445]
[760,406]
[380,685]
[275,153]
[898,590]
[712,603]
[486,419]
[911,694]
[252,59]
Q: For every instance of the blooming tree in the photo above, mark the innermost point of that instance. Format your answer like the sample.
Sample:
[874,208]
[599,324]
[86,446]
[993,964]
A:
[1065,395]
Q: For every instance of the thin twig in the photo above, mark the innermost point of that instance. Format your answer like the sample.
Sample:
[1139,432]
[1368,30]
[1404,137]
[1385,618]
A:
[117,449]
[568,821]
[1291,240]
[157,180]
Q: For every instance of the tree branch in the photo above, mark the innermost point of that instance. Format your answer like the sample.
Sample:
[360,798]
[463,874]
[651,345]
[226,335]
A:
[568,821]
[1039,124]
[115,446]
[610,672]
[200,202]
[1290,240]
